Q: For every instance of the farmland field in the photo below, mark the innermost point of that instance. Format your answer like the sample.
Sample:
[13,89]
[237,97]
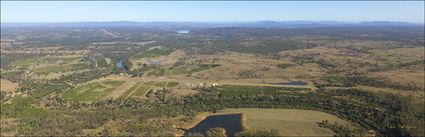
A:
[131,90]
[160,84]
[91,91]
[141,90]
[172,84]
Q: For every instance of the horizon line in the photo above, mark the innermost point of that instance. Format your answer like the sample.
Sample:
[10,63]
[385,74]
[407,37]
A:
[53,22]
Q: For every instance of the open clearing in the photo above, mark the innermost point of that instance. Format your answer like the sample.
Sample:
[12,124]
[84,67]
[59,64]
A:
[289,122]
[8,86]
[92,91]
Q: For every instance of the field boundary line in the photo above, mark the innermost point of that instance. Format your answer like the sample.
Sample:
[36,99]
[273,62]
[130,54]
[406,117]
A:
[132,92]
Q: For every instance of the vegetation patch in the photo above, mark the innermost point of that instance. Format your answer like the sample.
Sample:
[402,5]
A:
[151,83]
[160,84]
[284,65]
[157,72]
[101,62]
[172,84]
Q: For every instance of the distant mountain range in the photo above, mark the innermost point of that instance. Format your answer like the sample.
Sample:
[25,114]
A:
[256,24]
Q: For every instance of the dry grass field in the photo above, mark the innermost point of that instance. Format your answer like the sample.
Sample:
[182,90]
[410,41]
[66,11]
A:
[8,127]
[8,86]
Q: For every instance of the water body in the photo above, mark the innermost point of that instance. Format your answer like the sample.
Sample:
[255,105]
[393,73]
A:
[120,66]
[291,83]
[183,31]
[232,123]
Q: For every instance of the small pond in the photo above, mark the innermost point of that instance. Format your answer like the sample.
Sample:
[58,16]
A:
[232,123]
[120,65]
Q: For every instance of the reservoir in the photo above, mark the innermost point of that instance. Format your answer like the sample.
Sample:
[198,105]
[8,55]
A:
[232,123]
[183,31]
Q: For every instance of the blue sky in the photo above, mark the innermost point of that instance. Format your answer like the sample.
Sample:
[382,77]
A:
[210,11]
